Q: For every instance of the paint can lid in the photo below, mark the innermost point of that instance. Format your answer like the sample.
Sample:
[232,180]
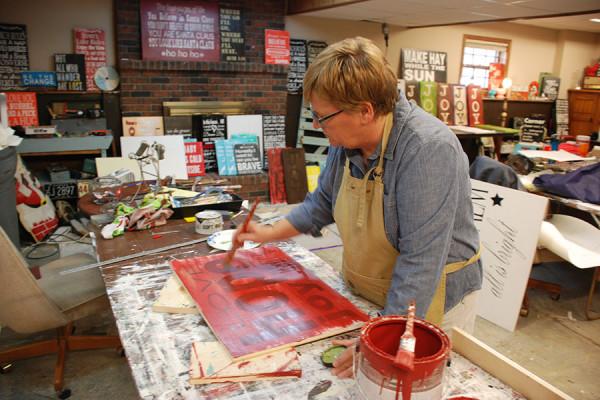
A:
[329,355]
[203,215]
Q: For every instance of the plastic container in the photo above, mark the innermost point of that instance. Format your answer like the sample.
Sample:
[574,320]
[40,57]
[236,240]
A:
[376,375]
[583,144]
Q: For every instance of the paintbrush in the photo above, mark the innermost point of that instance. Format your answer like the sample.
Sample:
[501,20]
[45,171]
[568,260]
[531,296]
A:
[234,245]
[405,356]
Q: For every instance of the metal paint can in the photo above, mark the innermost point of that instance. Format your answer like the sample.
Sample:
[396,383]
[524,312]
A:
[376,375]
[208,222]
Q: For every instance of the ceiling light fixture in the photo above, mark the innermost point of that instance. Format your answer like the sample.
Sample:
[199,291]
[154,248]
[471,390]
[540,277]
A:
[595,19]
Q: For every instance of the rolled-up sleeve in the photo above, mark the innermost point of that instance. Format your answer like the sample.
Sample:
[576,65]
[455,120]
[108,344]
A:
[316,211]
[426,200]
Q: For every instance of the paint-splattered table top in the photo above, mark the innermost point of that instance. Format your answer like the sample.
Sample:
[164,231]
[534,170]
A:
[158,345]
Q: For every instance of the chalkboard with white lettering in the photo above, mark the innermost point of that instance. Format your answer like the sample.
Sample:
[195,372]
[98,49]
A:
[423,65]
[314,48]
[247,158]
[273,133]
[70,71]
[533,129]
[14,55]
[297,65]
[231,27]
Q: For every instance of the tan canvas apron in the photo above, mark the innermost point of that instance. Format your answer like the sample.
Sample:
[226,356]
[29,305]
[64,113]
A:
[369,258]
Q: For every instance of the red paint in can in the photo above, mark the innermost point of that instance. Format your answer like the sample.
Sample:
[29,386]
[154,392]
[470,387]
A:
[379,341]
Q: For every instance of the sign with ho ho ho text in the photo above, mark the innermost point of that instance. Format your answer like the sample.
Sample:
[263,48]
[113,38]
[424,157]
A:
[509,224]
[179,30]
[423,65]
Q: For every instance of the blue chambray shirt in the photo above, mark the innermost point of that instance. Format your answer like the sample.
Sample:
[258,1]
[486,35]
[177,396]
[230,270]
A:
[427,207]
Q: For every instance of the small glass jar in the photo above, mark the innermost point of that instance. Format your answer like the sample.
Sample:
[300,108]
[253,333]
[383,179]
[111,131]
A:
[106,190]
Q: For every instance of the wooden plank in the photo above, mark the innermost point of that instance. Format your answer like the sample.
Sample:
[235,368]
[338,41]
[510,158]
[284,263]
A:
[174,299]
[523,381]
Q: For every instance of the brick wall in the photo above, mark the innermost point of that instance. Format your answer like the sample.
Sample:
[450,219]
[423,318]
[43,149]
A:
[146,84]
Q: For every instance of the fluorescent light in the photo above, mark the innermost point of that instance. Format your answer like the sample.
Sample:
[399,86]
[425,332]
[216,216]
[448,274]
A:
[595,19]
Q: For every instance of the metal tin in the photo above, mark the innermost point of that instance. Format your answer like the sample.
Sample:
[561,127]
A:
[208,222]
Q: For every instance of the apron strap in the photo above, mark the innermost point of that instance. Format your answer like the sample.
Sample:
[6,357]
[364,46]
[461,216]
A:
[435,312]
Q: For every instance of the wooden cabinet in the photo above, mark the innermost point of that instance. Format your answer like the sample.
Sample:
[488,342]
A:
[584,112]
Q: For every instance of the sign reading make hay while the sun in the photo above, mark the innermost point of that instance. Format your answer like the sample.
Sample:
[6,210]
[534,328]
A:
[509,223]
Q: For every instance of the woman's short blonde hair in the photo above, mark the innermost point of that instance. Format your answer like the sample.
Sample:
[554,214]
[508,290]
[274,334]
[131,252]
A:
[351,72]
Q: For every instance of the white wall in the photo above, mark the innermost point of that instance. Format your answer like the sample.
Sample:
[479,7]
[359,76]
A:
[533,49]
[50,26]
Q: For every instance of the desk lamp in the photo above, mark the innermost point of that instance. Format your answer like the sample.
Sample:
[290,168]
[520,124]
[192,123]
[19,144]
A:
[506,85]
[149,154]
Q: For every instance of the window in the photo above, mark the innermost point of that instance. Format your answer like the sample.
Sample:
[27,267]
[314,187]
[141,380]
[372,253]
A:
[478,53]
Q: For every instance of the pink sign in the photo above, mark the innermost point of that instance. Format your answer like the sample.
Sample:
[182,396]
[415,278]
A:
[92,44]
[22,108]
[180,30]
[194,159]
[277,47]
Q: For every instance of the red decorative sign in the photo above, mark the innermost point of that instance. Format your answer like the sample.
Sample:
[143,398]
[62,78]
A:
[180,30]
[264,300]
[496,75]
[22,108]
[92,44]
[194,159]
[277,47]
[475,103]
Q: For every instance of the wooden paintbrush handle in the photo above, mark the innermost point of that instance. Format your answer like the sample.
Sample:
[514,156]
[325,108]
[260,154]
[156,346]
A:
[234,245]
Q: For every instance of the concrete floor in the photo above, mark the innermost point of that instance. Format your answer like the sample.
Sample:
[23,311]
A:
[554,342]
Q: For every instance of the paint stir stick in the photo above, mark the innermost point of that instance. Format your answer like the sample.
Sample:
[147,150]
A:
[405,357]
[234,245]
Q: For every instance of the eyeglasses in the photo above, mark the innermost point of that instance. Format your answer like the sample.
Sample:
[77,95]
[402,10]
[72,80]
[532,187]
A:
[325,118]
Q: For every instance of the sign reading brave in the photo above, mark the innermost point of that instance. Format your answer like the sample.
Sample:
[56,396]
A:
[423,65]
[92,44]
[247,158]
[231,26]
[70,71]
[13,55]
[297,65]
[180,30]
[264,300]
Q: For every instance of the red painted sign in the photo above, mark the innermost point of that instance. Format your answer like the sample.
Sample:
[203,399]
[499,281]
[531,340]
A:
[180,30]
[264,300]
[92,44]
[496,75]
[277,47]
[475,103]
[194,159]
[22,108]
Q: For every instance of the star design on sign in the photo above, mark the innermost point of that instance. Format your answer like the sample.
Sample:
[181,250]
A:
[497,200]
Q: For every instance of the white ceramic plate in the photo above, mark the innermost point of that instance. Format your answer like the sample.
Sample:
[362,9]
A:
[222,240]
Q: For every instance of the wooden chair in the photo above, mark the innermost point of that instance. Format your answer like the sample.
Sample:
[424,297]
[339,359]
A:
[54,301]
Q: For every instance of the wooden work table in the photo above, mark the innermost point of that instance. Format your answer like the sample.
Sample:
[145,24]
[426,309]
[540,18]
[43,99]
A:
[157,345]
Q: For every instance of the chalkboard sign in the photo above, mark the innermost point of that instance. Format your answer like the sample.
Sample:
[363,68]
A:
[178,125]
[70,71]
[273,133]
[179,30]
[423,65]
[297,65]
[208,128]
[247,158]
[314,48]
[550,86]
[231,27]
[14,55]
[533,129]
